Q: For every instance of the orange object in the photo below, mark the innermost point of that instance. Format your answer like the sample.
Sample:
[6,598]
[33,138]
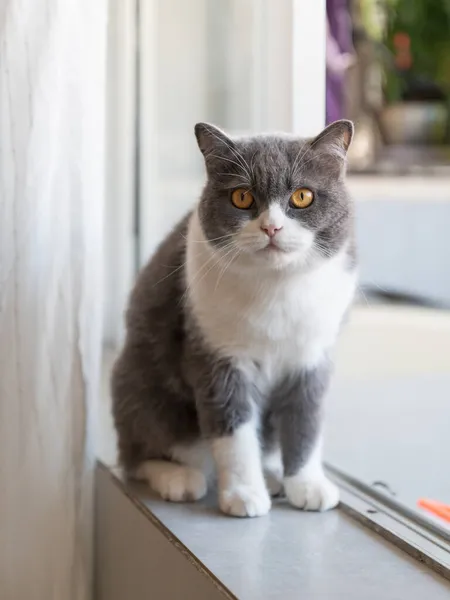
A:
[402,40]
[439,509]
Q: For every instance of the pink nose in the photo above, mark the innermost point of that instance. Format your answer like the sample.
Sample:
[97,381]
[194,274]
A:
[270,230]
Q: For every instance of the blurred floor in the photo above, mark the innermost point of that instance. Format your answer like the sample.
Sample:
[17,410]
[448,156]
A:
[389,410]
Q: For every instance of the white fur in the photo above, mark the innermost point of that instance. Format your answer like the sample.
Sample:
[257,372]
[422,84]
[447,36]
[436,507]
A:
[242,490]
[295,240]
[283,318]
[185,481]
[177,483]
[197,455]
[274,215]
[310,489]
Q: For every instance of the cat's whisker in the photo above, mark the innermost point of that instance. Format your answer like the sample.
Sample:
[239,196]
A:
[195,279]
[252,166]
[361,291]
[230,161]
[175,270]
[231,174]
[228,248]
[227,265]
[300,154]
[169,275]
[244,178]
[239,158]
[222,270]
[228,235]
[382,289]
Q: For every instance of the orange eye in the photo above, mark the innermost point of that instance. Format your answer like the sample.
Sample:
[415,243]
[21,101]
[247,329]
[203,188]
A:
[242,199]
[302,198]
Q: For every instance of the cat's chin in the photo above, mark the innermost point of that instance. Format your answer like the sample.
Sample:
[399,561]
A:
[278,259]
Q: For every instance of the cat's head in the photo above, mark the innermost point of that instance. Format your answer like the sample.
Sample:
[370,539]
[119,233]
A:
[276,200]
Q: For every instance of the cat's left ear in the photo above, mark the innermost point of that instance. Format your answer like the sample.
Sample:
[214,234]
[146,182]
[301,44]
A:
[211,138]
[335,139]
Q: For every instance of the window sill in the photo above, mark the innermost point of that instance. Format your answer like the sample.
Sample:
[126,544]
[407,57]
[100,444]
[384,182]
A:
[146,547]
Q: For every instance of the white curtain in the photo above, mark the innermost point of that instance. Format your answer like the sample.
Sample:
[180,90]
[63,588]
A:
[52,71]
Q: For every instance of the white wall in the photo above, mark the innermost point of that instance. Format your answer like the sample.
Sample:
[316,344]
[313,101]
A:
[51,192]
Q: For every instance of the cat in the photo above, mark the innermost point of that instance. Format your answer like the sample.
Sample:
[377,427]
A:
[231,324]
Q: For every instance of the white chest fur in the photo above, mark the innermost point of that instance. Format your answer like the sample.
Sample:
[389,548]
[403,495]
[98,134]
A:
[283,322]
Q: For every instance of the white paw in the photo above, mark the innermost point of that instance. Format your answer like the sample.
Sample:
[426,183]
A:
[176,483]
[182,484]
[311,494]
[245,501]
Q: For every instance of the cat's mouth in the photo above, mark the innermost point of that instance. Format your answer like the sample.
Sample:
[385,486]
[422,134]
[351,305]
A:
[272,247]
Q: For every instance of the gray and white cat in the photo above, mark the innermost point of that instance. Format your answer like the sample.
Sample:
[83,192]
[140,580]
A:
[231,323]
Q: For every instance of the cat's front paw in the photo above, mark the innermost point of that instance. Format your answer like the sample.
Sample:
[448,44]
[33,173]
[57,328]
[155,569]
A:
[245,501]
[311,494]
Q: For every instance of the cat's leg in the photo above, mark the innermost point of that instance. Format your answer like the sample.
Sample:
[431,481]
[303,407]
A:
[272,458]
[228,417]
[241,485]
[158,433]
[309,488]
[305,483]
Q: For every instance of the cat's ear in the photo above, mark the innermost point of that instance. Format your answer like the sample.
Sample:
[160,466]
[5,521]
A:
[335,139]
[211,139]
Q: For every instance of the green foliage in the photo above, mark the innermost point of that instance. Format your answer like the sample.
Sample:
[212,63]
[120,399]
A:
[427,23]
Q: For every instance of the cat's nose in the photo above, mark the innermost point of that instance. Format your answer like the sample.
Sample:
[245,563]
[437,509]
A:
[270,230]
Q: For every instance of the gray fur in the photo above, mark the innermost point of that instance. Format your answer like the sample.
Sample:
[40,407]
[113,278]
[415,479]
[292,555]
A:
[168,387]
[298,401]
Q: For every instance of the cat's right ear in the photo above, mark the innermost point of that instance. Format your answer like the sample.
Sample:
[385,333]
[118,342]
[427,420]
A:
[211,139]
